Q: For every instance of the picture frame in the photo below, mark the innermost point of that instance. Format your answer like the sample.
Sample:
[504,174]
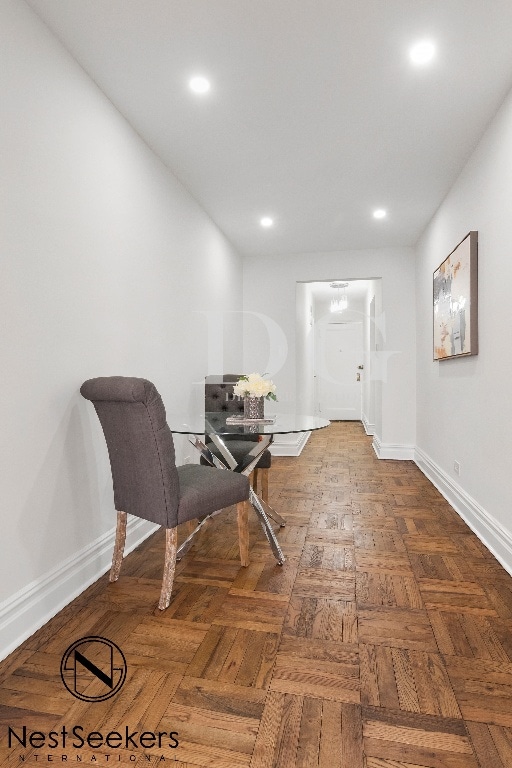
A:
[455,302]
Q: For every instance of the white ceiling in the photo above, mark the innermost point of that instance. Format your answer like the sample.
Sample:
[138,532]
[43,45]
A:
[315,115]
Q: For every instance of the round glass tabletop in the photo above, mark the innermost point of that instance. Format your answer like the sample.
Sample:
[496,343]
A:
[215,423]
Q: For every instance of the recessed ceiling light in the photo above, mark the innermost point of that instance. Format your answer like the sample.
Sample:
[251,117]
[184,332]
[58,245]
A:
[266,221]
[422,52]
[199,84]
[380,213]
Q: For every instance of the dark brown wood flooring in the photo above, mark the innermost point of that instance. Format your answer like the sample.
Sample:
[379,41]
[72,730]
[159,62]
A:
[385,641]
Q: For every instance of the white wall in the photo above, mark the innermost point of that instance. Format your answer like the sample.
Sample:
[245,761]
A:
[107,266]
[270,290]
[371,387]
[305,348]
[465,405]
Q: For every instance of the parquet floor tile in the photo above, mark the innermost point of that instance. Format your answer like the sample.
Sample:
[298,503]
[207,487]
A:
[378,540]
[174,641]
[274,580]
[483,689]
[429,523]
[371,508]
[259,611]
[369,522]
[397,628]
[383,562]
[195,602]
[328,556]
[203,728]
[453,568]
[389,590]
[317,669]
[428,544]
[465,634]
[419,740]
[304,673]
[330,536]
[329,520]
[220,697]
[238,656]
[492,744]
[339,585]
[322,619]
[499,592]
[304,732]
[413,681]
[384,641]
[466,596]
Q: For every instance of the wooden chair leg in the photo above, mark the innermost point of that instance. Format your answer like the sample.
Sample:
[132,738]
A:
[117,557]
[242,512]
[253,479]
[264,484]
[171,545]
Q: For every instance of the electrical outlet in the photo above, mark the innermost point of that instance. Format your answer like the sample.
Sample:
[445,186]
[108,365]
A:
[456,467]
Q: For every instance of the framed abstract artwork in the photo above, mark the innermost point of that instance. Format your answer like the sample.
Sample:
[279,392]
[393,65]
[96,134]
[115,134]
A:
[456,302]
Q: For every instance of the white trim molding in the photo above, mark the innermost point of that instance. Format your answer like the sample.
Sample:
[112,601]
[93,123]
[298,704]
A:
[28,610]
[490,532]
[290,444]
[392,450]
[368,428]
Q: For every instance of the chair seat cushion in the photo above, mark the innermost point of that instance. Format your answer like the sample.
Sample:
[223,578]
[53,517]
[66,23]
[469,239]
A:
[204,490]
[239,449]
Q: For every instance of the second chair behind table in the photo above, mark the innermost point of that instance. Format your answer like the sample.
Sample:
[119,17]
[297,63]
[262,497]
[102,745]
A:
[218,396]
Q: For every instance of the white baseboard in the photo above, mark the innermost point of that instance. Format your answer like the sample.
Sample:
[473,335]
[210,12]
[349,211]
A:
[26,611]
[496,538]
[368,427]
[392,450]
[290,444]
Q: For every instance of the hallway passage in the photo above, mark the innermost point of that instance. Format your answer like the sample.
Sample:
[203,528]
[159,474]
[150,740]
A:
[385,640]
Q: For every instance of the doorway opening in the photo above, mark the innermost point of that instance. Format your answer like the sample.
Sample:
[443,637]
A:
[337,335]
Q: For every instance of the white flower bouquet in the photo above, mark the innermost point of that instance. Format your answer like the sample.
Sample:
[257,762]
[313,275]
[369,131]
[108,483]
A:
[254,385]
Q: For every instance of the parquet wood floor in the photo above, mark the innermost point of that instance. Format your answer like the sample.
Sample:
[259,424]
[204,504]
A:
[385,640]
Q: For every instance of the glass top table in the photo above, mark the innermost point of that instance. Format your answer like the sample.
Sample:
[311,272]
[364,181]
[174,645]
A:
[214,425]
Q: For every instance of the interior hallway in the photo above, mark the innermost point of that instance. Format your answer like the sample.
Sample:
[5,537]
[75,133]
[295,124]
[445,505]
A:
[383,642]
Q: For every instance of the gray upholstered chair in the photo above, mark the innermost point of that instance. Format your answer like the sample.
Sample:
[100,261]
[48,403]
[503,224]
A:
[218,396]
[147,482]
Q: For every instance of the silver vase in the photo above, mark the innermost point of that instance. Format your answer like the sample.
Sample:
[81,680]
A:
[254,407]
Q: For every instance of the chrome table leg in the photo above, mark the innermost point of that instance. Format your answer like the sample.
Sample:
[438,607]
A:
[267,528]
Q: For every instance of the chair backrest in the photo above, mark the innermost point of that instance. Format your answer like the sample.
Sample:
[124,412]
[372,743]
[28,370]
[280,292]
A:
[140,447]
[218,394]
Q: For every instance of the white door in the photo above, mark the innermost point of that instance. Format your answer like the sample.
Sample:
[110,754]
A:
[338,355]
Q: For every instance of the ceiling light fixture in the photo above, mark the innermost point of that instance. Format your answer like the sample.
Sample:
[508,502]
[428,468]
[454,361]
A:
[340,303]
[380,213]
[199,84]
[266,221]
[422,52]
